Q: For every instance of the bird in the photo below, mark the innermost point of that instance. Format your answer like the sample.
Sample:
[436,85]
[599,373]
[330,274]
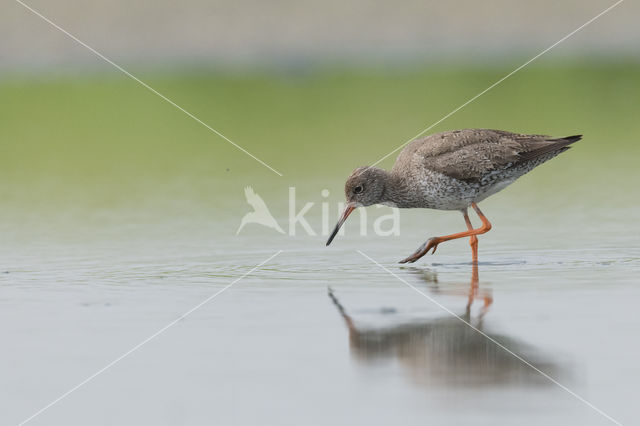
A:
[260,213]
[452,170]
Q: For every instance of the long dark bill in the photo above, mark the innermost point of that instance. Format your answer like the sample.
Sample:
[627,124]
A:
[345,214]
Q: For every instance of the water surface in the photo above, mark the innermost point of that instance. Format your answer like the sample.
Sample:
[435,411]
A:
[119,216]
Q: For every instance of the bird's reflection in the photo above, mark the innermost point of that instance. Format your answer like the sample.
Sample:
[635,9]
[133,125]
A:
[451,350]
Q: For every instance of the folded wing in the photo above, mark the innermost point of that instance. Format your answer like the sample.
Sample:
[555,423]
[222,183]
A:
[472,153]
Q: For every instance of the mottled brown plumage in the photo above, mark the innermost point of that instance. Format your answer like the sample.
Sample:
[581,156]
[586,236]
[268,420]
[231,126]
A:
[451,171]
[470,154]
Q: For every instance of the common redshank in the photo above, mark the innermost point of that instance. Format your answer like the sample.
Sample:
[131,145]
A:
[452,170]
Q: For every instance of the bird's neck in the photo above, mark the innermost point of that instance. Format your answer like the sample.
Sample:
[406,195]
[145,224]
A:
[396,192]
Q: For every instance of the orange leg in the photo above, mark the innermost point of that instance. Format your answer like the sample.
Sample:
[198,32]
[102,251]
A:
[432,243]
[473,240]
[475,282]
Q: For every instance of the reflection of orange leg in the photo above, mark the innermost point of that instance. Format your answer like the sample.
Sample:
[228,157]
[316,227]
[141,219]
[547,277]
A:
[432,243]
[486,295]
[474,292]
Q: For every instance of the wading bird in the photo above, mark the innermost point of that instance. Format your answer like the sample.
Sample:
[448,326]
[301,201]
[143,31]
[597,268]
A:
[453,170]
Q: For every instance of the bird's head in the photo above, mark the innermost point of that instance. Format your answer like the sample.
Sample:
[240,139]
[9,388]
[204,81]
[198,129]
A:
[365,186]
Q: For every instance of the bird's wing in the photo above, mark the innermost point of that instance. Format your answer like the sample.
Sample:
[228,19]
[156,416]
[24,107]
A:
[254,200]
[472,153]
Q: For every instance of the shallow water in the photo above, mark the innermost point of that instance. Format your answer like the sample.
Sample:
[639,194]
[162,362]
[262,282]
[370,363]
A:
[119,216]
[275,348]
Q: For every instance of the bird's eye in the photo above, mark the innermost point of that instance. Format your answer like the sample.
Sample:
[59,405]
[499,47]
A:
[358,189]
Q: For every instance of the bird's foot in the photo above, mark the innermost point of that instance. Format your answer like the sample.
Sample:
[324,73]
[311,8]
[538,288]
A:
[431,243]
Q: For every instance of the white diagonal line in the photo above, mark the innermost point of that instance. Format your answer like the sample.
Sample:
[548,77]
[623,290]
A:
[501,80]
[500,345]
[144,342]
[133,77]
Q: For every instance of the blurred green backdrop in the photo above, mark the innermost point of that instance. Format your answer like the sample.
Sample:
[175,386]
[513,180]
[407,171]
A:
[103,140]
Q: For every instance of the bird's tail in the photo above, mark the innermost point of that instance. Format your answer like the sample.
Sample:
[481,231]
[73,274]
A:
[557,145]
[562,144]
[568,140]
